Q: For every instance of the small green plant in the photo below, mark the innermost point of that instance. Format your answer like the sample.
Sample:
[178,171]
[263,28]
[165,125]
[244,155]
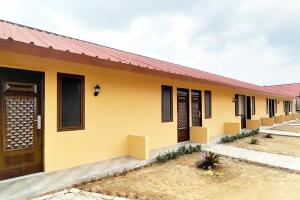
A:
[253,141]
[180,151]
[211,173]
[210,161]
[268,136]
[228,139]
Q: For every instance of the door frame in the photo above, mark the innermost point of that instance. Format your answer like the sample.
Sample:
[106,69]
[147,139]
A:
[40,76]
[188,113]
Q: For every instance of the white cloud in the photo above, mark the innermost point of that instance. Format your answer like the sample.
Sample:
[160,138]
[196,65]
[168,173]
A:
[254,41]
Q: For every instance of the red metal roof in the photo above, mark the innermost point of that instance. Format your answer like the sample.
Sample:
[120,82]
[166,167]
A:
[40,38]
[292,89]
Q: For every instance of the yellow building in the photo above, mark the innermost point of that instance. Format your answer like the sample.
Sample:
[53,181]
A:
[67,103]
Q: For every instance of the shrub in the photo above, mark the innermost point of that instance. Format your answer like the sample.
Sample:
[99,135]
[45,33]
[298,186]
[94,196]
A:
[227,139]
[268,136]
[180,151]
[210,161]
[253,141]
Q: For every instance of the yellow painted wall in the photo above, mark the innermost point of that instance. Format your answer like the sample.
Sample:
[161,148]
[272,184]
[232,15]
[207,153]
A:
[138,146]
[232,128]
[253,124]
[199,135]
[267,121]
[279,119]
[129,103]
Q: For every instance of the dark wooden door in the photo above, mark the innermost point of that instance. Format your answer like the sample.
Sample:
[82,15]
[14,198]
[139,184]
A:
[271,108]
[183,115]
[242,100]
[196,108]
[248,105]
[21,128]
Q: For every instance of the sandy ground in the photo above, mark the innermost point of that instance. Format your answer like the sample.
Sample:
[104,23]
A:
[288,128]
[180,179]
[278,144]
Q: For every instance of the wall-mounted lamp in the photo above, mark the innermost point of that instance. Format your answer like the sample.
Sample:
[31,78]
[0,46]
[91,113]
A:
[278,102]
[234,99]
[97,90]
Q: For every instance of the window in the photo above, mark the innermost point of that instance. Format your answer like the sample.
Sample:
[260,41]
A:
[207,96]
[167,103]
[298,104]
[275,105]
[70,103]
[267,105]
[239,105]
[253,105]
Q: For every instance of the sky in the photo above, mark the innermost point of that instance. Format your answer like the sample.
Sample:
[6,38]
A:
[250,40]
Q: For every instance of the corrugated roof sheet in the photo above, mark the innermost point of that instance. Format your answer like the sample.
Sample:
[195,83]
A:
[292,89]
[40,38]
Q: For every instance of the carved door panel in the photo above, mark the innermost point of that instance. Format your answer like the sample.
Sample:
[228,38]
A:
[183,115]
[21,123]
[196,108]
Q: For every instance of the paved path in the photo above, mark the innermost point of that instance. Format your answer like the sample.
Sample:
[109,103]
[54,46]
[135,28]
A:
[294,124]
[76,194]
[283,133]
[276,160]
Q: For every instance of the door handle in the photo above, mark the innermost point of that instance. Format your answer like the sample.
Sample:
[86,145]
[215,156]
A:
[199,113]
[39,122]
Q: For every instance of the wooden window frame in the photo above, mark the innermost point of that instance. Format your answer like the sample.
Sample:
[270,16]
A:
[59,102]
[253,105]
[267,105]
[236,105]
[162,103]
[238,112]
[297,100]
[210,104]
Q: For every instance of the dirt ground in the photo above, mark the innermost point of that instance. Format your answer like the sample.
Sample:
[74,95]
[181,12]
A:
[278,144]
[180,179]
[288,128]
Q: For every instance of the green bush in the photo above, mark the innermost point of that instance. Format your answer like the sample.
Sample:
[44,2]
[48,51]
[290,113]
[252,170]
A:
[180,151]
[233,138]
[253,141]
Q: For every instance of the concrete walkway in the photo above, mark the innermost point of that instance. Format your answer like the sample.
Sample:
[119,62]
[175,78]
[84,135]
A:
[294,124]
[276,160]
[283,133]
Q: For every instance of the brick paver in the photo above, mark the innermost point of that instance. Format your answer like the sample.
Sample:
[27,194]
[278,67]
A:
[76,194]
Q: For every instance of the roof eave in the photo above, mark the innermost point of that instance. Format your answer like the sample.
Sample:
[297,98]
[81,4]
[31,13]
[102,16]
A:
[33,50]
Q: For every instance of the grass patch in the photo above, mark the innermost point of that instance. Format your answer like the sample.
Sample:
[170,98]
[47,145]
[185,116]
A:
[175,154]
[228,139]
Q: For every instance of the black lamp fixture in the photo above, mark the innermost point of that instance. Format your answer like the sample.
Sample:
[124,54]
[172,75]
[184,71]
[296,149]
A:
[234,99]
[97,90]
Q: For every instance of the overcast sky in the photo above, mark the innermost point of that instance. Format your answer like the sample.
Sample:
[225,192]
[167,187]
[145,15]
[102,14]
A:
[257,41]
